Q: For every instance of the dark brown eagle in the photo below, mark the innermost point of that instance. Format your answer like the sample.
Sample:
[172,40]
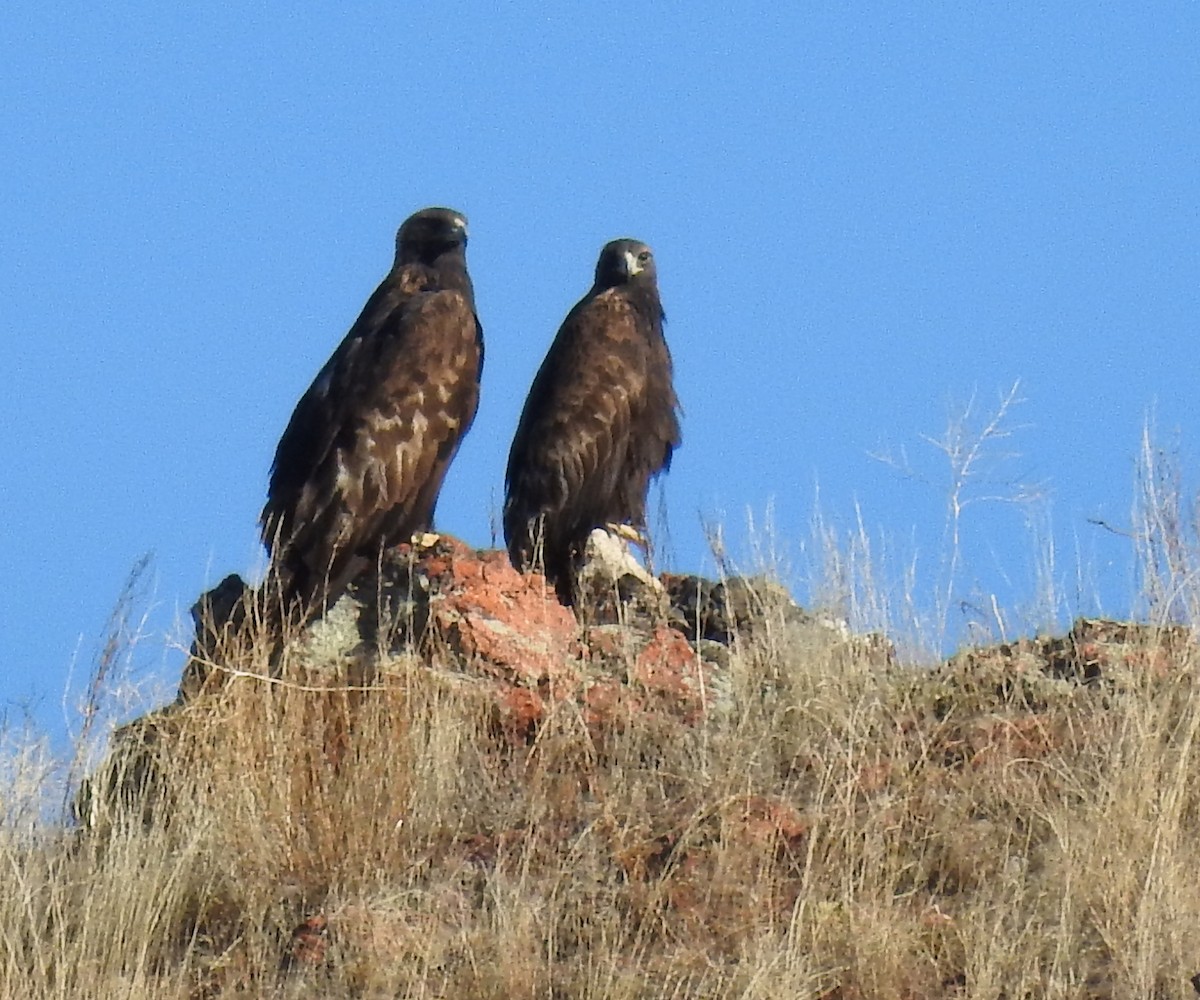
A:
[363,457]
[600,421]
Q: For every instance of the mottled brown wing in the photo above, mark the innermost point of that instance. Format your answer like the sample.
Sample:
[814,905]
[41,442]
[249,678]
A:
[365,453]
[322,417]
[579,429]
[414,424]
[655,434]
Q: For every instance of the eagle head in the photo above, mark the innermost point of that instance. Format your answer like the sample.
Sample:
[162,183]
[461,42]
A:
[623,261]
[426,235]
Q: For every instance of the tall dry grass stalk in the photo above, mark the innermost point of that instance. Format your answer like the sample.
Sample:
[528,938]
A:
[978,467]
[1166,535]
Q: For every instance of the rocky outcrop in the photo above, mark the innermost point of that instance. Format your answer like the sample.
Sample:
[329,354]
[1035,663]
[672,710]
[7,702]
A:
[469,617]
[1096,653]
[469,614]
[635,651]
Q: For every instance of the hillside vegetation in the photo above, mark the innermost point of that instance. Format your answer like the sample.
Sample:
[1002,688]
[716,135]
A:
[795,814]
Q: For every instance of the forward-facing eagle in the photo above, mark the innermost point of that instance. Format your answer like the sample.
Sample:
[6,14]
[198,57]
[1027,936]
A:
[600,421]
[363,457]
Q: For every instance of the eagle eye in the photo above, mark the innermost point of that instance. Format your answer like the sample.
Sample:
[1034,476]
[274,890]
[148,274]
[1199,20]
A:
[643,257]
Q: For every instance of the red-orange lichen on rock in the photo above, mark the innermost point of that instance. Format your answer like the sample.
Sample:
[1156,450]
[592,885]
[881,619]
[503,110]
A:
[1000,742]
[609,704]
[520,711]
[501,618]
[766,819]
[310,940]
[669,668]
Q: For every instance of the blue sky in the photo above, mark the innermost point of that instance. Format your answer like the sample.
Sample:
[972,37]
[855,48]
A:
[861,216]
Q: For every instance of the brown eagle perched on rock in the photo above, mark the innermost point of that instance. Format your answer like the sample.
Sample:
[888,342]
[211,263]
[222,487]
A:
[600,421]
[363,457]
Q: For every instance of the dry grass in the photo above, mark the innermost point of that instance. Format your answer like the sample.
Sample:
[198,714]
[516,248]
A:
[856,831]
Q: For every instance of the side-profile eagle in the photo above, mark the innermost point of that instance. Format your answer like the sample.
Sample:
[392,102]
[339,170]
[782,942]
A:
[363,457]
[600,421]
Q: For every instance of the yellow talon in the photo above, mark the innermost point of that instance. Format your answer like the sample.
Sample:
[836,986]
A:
[627,532]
